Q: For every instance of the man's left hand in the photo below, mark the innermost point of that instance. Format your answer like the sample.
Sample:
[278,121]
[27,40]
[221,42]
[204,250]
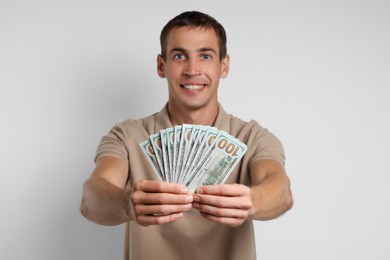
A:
[228,204]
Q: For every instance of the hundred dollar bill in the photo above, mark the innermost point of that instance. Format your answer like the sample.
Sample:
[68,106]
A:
[196,143]
[190,140]
[184,144]
[170,140]
[155,139]
[218,161]
[147,148]
[205,143]
[164,149]
[176,149]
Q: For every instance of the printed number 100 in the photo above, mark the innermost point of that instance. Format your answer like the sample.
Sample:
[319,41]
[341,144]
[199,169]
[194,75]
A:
[230,148]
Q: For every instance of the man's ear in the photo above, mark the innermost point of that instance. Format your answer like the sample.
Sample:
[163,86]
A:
[160,66]
[225,66]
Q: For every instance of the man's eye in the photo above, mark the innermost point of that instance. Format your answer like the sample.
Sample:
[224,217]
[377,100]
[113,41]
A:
[206,56]
[179,56]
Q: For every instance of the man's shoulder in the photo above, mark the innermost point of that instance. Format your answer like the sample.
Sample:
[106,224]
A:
[150,124]
[240,125]
[131,125]
[232,120]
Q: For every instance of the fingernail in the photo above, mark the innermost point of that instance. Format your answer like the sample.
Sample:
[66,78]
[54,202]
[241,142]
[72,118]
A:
[189,199]
[184,190]
[188,206]
[199,190]
[195,205]
[196,198]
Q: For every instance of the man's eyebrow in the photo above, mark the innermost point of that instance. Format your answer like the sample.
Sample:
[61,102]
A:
[205,49]
[177,50]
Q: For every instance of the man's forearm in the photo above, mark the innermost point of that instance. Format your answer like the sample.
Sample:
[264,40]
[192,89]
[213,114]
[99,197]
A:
[105,203]
[271,197]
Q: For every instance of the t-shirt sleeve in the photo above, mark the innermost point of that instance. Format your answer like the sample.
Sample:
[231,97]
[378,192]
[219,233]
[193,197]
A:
[266,146]
[113,144]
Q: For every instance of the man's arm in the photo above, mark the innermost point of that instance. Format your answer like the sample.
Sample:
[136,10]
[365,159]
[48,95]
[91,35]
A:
[106,201]
[270,190]
[268,197]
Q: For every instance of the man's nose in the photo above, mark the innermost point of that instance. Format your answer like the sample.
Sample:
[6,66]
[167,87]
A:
[192,68]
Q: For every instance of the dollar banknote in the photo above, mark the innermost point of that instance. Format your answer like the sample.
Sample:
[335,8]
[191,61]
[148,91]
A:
[155,140]
[183,148]
[150,154]
[170,147]
[165,159]
[193,155]
[189,140]
[203,145]
[218,161]
[201,132]
[176,148]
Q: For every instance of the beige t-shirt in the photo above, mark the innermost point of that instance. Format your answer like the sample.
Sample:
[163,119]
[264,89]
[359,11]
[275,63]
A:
[191,237]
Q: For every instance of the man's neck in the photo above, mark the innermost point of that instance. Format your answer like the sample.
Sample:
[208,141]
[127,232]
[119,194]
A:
[200,116]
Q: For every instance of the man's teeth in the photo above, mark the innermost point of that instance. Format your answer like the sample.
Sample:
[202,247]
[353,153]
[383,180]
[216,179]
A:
[193,87]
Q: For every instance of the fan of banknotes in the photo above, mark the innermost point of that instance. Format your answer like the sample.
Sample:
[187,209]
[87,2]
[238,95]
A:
[193,155]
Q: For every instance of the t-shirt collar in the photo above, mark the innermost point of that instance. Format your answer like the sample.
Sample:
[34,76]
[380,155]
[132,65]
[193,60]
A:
[163,121]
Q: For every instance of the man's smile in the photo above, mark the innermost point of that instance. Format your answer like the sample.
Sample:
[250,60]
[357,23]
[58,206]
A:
[193,86]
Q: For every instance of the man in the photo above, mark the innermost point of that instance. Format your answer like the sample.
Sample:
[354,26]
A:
[164,220]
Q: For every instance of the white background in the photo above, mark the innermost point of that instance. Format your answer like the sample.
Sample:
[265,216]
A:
[316,73]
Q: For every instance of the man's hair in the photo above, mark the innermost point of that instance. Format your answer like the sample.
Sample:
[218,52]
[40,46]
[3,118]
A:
[194,19]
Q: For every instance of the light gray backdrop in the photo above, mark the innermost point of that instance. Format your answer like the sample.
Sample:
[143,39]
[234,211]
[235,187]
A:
[316,73]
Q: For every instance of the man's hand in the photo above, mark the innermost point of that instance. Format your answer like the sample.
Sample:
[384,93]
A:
[228,204]
[157,202]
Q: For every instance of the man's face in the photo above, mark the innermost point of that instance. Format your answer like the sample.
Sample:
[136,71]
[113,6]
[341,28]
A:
[192,67]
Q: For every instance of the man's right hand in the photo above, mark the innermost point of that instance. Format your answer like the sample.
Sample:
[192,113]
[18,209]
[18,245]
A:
[157,202]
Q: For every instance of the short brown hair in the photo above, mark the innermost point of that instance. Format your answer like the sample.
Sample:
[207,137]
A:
[194,19]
